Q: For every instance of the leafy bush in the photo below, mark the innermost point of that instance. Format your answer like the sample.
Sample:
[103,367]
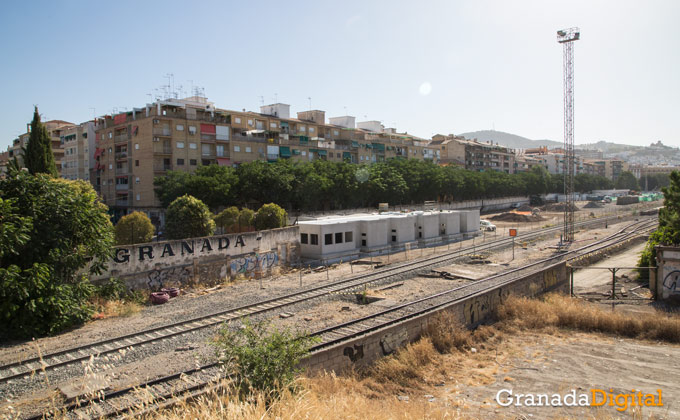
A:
[227,217]
[134,228]
[270,216]
[188,217]
[260,357]
[50,230]
[245,219]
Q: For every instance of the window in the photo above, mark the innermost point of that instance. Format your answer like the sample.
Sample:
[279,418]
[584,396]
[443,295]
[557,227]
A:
[237,120]
[302,129]
[338,238]
[348,237]
[180,162]
[136,146]
[260,150]
[311,130]
[110,150]
[192,146]
[250,123]
[110,166]
[259,125]
[237,148]
[192,129]
[220,150]
[110,135]
[363,242]
[394,238]
[337,155]
[139,197]
[304,153]
[137,180]
[192,162]
[136,163]
[336,133]
[303,238]
[179,127]
[314,239]
[328,239]
[205,162]
[206,150]
[180,145]
[248,149]
[272,125]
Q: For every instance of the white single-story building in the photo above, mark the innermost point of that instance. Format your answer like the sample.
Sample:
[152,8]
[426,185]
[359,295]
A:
[338,236]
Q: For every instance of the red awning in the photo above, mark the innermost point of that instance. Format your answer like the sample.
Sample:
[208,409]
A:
[207,129]
[120,118]
[223,162]
[98,152]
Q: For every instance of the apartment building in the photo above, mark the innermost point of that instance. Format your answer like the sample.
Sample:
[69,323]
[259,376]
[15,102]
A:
[609,168]
[55,128]
[474,155]
[641,171]
[77,142]
[134,147]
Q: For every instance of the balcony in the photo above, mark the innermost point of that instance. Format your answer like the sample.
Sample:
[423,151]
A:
[122,187]
[120,138]
[122,203]
[163,131]
[121,155]
[162,150]
[122,171]
[162,167]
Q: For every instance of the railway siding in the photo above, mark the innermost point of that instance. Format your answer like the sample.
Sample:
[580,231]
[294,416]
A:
[470,311]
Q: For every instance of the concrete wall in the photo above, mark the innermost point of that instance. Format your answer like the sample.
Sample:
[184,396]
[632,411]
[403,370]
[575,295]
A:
[427,225]
[374,232]
[451,222]
[206,260]
[668,273]
[469,221]
[470,311]
[404,228]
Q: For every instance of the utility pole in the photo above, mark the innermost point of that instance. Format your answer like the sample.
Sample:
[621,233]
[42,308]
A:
[566,37]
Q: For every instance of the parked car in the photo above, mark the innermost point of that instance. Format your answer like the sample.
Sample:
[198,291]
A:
[487,226]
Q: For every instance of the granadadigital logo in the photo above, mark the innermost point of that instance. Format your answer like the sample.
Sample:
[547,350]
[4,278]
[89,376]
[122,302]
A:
[595,398]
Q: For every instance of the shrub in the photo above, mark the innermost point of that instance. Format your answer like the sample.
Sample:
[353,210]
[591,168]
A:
[270,216]
[50,230]
[245,219]
[188,217]
[262,358]
[134,228]
[227,218]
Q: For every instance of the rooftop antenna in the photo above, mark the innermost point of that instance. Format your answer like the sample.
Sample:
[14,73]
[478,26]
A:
[261,100]
[310,102]
[94,114]
[191,83]
[276,98]
[345,110]
[171,84]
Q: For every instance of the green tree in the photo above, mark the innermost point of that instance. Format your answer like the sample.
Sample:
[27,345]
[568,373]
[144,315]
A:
[227,218]
[245,219]
[53,233]
[214,185]
[134,228]
[188,217]
[668,232]
[38,155]
[262,358]
[627,181]
[270,216]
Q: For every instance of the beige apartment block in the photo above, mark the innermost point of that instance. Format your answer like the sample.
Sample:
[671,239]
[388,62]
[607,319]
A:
[55,128]
[75,141]
[475,155]
[134,147]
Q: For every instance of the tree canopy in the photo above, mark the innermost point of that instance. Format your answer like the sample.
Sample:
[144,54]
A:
[134,228]
[188,217]
[52,233]
[270,216]
[627,181]
[321,185]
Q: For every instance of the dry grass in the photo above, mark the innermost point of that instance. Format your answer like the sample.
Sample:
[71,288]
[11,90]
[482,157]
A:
[564,312]
[114,308]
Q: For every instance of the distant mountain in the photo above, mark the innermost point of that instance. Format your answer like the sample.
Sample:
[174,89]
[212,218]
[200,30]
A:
[509,140]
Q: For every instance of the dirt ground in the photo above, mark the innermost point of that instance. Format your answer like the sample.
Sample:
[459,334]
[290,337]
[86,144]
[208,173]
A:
[548,363]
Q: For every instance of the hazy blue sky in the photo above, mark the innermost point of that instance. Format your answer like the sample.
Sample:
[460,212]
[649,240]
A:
[426,66]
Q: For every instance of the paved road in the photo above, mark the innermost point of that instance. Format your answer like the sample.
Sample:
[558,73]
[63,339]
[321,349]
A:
[600,280]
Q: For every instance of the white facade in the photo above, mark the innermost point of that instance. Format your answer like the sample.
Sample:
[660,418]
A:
[346,121]
[277,110]
[338,236]
[374,126]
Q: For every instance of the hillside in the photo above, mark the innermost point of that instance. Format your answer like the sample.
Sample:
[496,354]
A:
[510,140]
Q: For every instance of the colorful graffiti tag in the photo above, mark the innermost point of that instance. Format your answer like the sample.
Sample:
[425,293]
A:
[254,262]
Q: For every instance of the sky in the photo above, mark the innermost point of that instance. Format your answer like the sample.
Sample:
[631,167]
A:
[425,67]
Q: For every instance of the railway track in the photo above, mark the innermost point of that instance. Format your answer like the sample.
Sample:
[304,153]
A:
[71,356]
[189,384]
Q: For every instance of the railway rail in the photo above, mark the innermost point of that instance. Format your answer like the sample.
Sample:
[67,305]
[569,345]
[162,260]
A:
[192,383]
[66,357]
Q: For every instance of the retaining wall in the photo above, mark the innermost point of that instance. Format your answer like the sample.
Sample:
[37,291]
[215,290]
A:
[205,260]
[470,311]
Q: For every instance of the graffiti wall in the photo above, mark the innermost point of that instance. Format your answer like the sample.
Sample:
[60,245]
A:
[201,260]
[668,273]
[470,311]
